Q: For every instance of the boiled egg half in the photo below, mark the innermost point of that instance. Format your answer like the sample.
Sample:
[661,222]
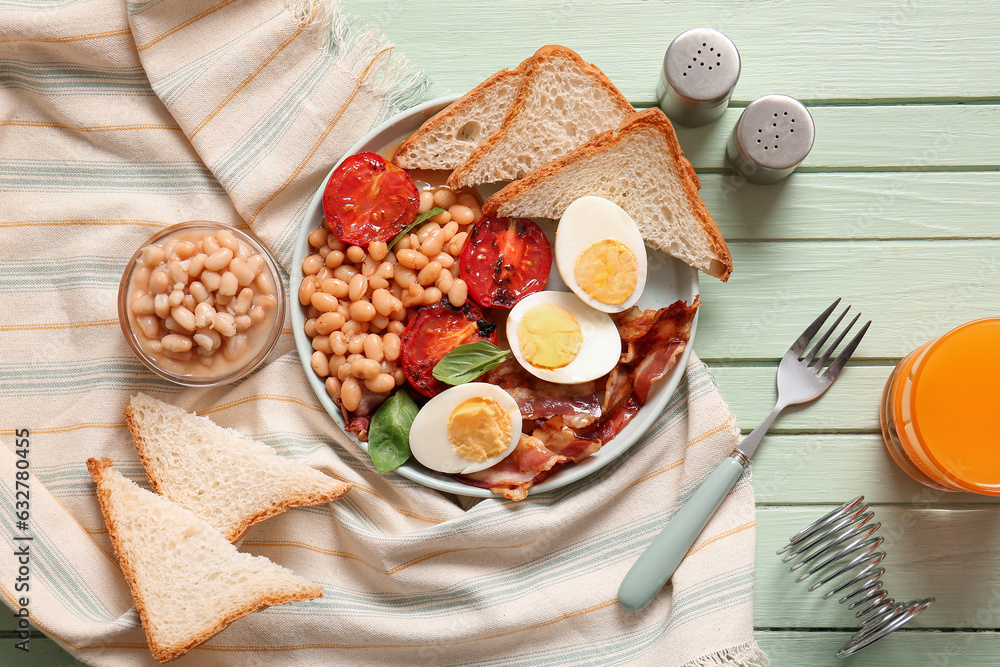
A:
[466,428]
[559,338]
[600,254]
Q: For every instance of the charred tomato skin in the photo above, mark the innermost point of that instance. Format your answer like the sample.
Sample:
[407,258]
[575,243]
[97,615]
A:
[504,260]
[432,333]
[368,199]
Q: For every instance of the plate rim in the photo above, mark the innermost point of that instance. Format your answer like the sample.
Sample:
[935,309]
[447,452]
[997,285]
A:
[565,476]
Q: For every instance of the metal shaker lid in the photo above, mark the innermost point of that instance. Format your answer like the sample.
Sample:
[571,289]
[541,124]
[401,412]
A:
[700,70]
[773,135]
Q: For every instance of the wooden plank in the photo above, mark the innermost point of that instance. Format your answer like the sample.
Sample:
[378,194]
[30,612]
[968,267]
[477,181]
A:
[912,290]
[950,554]
[833,206]
[871,50]
[818,649]
[834,468]
[849,406]
[43,652]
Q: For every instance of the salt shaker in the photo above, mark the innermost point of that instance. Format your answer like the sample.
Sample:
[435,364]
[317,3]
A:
[700,70]
[773,135]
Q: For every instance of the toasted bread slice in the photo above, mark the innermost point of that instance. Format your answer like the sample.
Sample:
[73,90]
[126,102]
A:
[450,136]
[562,102]
[641,168]
[226,478]
[188,582]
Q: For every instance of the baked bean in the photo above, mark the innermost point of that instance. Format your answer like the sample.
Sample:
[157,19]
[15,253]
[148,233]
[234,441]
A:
[426,229]
[265,301]
[334,242]
[234,347]
[329,322]
[404,276]
[244,274]
[362,311]
[445,198]
[456,243]
[243,322]
[320,364]
[256,264]
[257,314]
[336,287]
[323,274]
[467,199]
[140,278]
[161,306]
[414,296]
[385,303]
[379,322]
[175,298]
[228,285]
[356,345]
[148,325]
[426,201]
[311,310]
[444,259]
[390,346]
[333,387]
[431,296]
[211,280]
[400,314]
[399,376]
[177,273]
[350,394]
[373,347]
[403,243]
[412,259]
[345,272]
[198,291]
[433,244]
[334,259]
[310,327]
[176,343]
[183,317]
[444,282]
[322,343]
[429,273]
[220,259]
[159,280]
[378,250]
[317,237]
[225,324]
[458,292]
[395,327]
[243,301]
[377,283]
[338,342]
[441,218]
[324,251]
[152,255]
[310,265]
[353,328]
[306,290]
[208,244]
[265,283]
[414,242]
[189,302]
[184,250]
[196,265]
[461,214]
[381,383]
[343,371]
[368,267]
[358,287]
[213,336]
[227,240]
[143,305]
[386,269]
[355,253]
[170,324]
[324,302]
[363,368]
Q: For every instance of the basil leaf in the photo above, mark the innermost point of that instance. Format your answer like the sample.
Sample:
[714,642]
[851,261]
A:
[389,432]
[419,219]
[467,362]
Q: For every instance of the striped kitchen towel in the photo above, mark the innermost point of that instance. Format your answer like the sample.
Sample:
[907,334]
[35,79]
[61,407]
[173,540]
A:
[118,119]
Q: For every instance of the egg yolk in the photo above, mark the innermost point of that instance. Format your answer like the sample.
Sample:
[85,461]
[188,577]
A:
[479,429]
[549,336]
[607,271]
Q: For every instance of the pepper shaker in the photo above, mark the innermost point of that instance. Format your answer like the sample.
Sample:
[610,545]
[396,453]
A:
[700,70]
[773,135]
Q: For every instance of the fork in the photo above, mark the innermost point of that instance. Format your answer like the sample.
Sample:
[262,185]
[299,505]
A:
[799,380]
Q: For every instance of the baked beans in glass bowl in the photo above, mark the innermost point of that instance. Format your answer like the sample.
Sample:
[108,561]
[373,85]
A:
[201,303]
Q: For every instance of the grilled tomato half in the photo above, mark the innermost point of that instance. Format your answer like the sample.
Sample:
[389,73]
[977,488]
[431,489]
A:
[504,260]
[368,199]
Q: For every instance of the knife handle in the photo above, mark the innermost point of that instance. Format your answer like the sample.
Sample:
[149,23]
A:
[649,574]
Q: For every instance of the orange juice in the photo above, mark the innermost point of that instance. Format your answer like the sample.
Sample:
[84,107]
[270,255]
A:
[941,410]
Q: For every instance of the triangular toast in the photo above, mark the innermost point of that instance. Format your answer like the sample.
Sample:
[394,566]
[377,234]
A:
[448,137]
[562,102]
[228,479]
[640,167]
[188,582]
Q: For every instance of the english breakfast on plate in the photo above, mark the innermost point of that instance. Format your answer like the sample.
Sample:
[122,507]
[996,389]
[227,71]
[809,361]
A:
[531,245]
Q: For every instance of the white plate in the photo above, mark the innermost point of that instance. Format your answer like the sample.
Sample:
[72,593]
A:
[668,280]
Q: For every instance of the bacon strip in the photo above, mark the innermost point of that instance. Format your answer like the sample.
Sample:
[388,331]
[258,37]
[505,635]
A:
[578,404]
[530,462]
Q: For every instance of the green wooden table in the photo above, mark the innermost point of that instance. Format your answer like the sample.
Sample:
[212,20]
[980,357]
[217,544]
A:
[896,210]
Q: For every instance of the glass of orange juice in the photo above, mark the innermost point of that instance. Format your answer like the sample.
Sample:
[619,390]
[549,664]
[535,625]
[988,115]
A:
[941,410]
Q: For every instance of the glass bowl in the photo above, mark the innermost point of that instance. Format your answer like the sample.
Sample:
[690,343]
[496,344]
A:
[201,303]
